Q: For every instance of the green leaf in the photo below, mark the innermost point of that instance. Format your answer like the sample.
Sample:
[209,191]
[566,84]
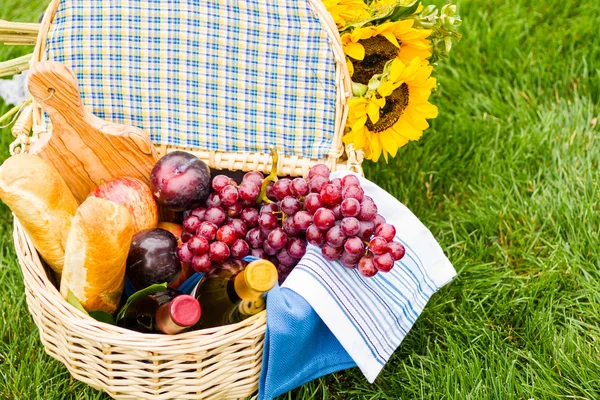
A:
[72,300]
[158,287]
[401,12]
[102,316]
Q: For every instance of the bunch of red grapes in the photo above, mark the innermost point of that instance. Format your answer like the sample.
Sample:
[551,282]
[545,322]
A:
[334,214]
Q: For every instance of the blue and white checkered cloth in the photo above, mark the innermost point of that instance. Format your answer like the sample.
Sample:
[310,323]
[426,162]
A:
[227,75]
[326,317]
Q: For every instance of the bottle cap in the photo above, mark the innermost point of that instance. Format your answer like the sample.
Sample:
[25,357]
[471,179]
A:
[185,310]
[260,275]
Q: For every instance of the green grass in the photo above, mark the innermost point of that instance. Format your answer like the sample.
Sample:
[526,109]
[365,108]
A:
[507,179]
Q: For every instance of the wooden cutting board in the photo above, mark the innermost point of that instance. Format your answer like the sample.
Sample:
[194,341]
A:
[85,149]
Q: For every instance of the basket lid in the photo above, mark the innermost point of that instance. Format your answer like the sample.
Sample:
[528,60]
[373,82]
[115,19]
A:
[222,75]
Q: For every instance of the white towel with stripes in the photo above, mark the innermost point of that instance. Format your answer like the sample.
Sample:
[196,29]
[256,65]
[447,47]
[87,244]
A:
[371,316]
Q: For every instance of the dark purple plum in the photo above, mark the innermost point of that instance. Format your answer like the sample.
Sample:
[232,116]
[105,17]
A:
[153,258]
[180,181]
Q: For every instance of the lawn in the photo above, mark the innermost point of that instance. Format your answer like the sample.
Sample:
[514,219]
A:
[507,179]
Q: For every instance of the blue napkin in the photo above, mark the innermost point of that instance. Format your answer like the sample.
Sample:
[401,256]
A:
[298,345]
[326,318]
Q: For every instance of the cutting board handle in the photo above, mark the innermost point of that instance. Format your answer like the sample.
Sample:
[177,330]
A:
[54,87]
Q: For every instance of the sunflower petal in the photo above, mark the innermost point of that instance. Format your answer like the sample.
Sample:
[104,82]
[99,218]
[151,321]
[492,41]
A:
[390,36]
[355,50]
[373,112]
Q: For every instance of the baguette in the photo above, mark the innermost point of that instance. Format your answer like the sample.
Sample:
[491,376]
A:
[96,254]
[41,201]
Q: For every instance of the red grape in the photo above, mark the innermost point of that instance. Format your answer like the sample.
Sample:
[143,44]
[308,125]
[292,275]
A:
[229,195]
[335,237]
[367,267]
[290,227]
[353,192]
[239,227]
[199,212]
[350,226]
[299,187]
[290,205]
[250,216]
[198,245]
[302,220]
[296,247]
[184,254]
[312,202]
[219,182]
[283,271]
[315,236]
[378,245]
[218,251]
[379,219]
[269,192]
[267,221]
[337,212]
[201,263]
[255,177]
[330,252]
[226,234]
[216,215]
[386,231]
[249,191]
[396,250]
[366,230]
[324,218]
[185,236]
[384,262]
[239,249]
[277,239]
[354,246]
[213,200]
[255,238]
[368,211]
[368,198]
[320,170]
[349,260]
[317,183]
[269,207]
[191,224]
[350,207]
[337,182]
[260,253]
[282,188]
[269,249]
[234,210]
[350,180]
[265,232]
[207,230]
[285,259]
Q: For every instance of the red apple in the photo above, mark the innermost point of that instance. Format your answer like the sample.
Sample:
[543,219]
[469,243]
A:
[180,181]
[133,194]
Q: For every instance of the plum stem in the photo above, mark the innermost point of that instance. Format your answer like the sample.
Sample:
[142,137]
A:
[272,177]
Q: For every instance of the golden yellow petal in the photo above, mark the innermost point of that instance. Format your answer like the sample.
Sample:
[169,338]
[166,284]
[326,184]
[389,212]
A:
[373,112]
[407,130]
[359,124]
[355,50]
[388,142]
[391,37]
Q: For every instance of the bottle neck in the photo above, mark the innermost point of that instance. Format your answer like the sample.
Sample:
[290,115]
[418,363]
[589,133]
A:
[256,279]
[177,315]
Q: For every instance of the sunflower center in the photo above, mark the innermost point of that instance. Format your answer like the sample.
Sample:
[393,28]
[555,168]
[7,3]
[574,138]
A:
[395,104]
[378,51]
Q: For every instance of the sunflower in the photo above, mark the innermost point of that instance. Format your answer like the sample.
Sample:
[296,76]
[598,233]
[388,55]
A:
[345,11]
[388,117]
[370,48]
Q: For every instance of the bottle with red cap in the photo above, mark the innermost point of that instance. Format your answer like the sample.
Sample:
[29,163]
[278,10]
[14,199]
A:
[168,312]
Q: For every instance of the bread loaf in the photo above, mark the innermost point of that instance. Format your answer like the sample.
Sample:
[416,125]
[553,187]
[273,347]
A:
[42,202]
[96,254]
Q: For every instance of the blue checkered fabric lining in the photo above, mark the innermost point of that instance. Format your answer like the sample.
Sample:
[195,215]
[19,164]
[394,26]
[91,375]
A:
[225,75]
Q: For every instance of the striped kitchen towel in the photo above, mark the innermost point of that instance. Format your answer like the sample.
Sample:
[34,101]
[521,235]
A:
[326,317]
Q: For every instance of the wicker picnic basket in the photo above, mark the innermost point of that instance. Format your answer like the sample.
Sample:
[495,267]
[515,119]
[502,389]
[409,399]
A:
[215,363]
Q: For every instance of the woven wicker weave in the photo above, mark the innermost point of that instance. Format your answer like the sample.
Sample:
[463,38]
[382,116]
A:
[215,363]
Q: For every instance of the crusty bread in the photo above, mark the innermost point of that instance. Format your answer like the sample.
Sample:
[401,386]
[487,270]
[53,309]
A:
[42,201]
[96,254]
